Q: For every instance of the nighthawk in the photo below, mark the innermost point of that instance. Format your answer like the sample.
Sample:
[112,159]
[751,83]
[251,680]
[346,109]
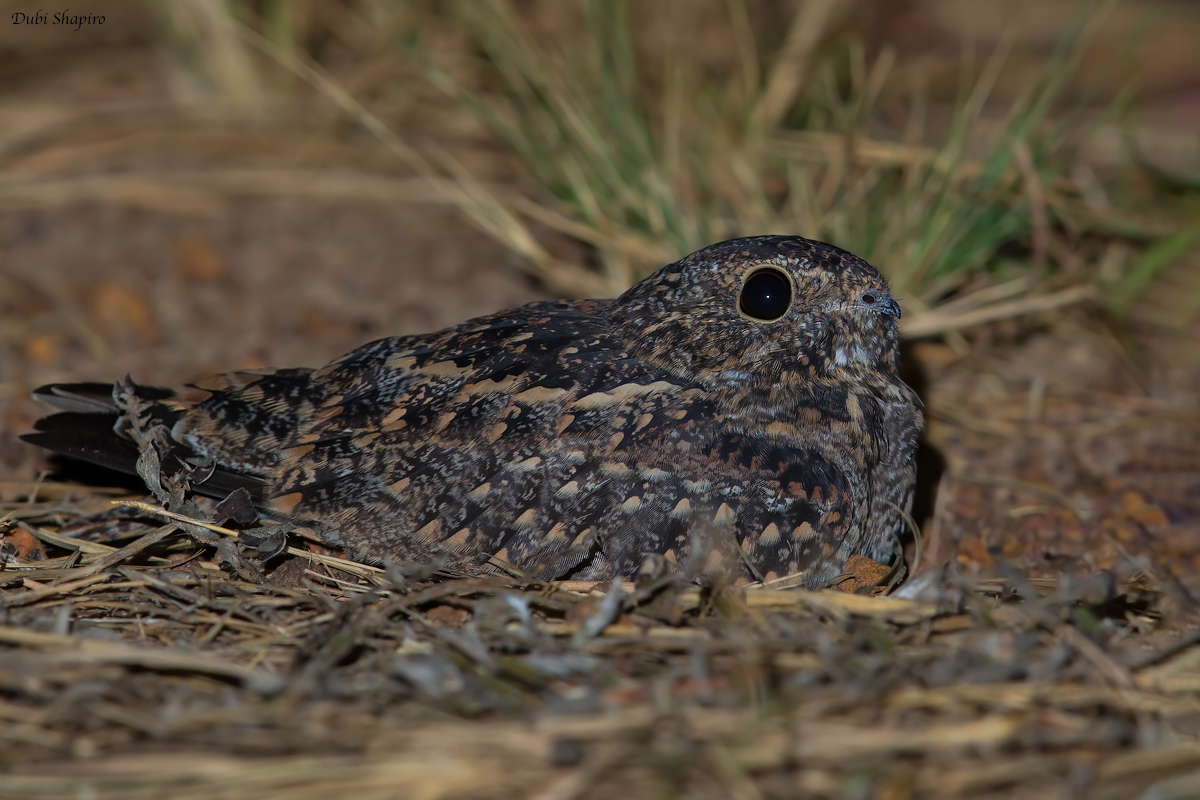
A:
[738,411]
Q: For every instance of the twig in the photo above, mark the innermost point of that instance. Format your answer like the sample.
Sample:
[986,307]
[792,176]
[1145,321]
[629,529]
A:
[932,323]
[129,550]
[934,542]
[790,69]
[365,571]
[1037,203]
[74,650]
[42,592]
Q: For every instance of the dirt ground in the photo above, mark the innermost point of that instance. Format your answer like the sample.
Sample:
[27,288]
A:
[137,239]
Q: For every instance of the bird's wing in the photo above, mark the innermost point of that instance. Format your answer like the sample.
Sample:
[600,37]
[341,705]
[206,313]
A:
[535,438]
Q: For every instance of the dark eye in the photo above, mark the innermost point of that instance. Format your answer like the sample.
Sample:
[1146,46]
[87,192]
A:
[869,298]
[766,295]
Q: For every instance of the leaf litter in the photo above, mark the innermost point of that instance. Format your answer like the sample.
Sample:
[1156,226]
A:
[158,666]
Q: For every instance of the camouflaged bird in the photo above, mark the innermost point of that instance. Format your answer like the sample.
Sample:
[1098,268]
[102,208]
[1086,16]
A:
[739,410]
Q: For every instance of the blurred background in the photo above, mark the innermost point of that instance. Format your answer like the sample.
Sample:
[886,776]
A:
[200,185]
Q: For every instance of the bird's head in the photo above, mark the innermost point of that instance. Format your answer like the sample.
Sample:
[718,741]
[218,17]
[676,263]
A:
[755,309]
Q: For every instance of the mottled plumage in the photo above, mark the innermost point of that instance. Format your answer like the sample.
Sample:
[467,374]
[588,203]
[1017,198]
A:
[572,439]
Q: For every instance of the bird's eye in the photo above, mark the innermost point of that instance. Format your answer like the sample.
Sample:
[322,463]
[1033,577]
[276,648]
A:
[766,295]
[869,298]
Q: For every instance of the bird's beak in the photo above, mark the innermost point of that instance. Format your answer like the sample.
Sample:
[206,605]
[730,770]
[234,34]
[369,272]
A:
[888,306]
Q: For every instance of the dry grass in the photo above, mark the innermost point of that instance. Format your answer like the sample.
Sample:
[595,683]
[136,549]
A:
[153,673]
[645,154]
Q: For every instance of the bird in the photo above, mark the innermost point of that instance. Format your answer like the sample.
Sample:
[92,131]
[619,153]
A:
[737,412]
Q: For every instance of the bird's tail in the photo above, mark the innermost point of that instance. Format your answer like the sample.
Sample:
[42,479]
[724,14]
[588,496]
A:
[88,428]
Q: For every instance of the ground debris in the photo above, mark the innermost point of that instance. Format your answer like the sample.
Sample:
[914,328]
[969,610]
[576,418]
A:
[139,666]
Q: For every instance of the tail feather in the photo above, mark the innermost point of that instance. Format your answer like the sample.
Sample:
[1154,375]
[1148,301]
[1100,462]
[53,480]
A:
[90,398]
[84,398]
[85,430]
[88,437]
